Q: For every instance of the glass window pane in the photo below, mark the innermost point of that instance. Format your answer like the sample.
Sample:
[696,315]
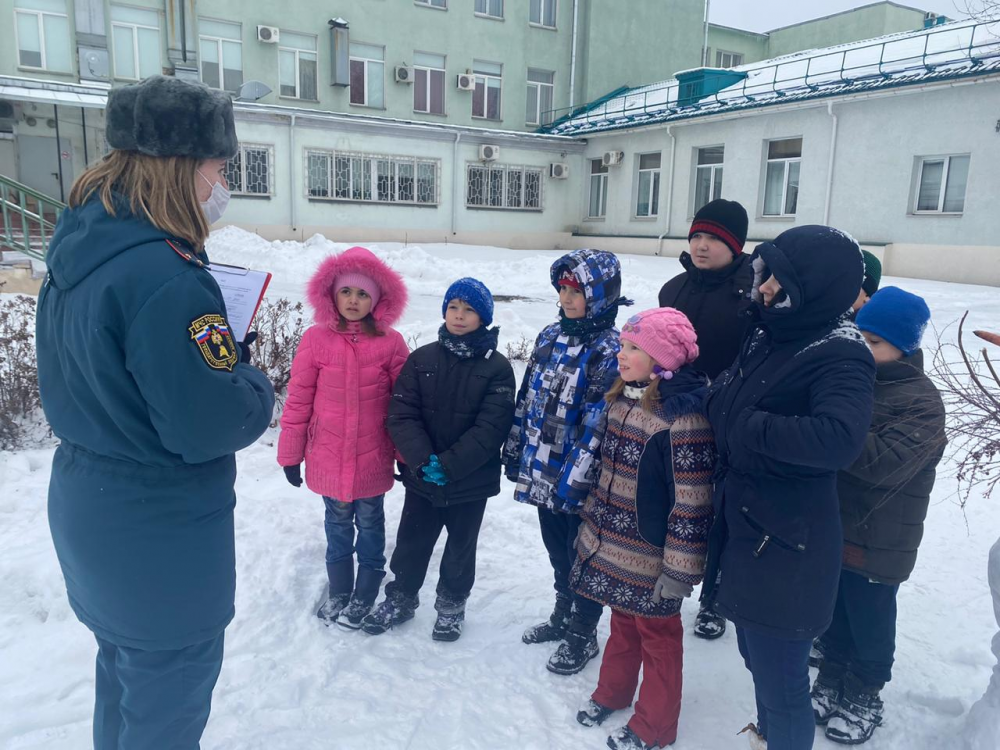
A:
[531,105]
[479,99]
[654,203]
[475,194]
[286,73]
[376,84]
[649,161]
[149,53]
[367,51]
[792,191]
[496,8]
[57,46]
[717,193]
[420,81]
[210,63]
[437,92]
[540,76]
[545,104]
[597,166]
[124,52]
[642,203]
[514,177]
[29,40]
[219,29]
[426,179]
[787,149]
[427,60]
[532,188]
[318,177]
[232,55]
[234,173]
[711,155]
[496,181]
[550,12]
[536,11]
[773,183]
[931,176]
[406,181]
[342,186]
[135,15]
[307,76]
[51,6]
[385,180]
[291,40]
[482,6]
[357,82]
[487,68]
[702,188]
[958,177]
[257,171]
[596,182]
[493,99]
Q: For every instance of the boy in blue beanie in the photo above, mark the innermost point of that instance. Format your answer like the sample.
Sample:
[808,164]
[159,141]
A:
[883,503]
[451,410]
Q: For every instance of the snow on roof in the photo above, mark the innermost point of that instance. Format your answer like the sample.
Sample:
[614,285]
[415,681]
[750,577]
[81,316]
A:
[955,50]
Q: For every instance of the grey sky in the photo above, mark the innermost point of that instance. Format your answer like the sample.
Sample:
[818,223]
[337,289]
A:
[763,15]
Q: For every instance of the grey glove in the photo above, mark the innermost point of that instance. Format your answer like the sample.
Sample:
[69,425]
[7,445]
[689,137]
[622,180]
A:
[670,588]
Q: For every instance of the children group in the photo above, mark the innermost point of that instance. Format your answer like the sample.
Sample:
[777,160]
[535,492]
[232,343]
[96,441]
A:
[768,430]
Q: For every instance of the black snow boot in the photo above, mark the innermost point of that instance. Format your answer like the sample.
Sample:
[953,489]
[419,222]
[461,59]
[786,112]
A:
[593,714]
[341,582]
[859,714]
[363,599]
[578,647]
[393,611]
[826,693]
[626,739]
[816,653]
[451,616]
[709,624]
[554,628]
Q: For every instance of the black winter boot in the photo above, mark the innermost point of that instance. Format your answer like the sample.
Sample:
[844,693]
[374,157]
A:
[859,714]
[393,611]
[816,653]
[363,599]
[626,739]
[593,714]
[554,628]
[451,616]
[709,624]
[341,581]
[826,693]
[577,648]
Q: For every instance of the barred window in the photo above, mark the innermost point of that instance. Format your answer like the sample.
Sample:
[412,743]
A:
[344,176]
[503,186]
[249,172]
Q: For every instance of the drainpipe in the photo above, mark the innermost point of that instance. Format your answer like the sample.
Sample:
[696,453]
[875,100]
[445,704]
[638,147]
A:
[62,189]
[704,49]
[572,58]
[292,195]
[670,192]
[829,171]
[454,184]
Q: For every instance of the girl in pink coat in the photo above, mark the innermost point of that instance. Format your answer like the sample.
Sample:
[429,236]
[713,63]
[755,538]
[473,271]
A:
[335,415]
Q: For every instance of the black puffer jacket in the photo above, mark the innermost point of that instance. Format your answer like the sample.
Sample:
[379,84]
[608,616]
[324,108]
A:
[885,494]
[712,300]
[458,408]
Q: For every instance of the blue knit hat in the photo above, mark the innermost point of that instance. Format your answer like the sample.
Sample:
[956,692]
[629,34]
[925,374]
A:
[473,293]
[897,316]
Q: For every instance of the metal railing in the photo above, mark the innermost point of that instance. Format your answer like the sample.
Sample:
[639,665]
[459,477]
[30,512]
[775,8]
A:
[939,48]
[29,219]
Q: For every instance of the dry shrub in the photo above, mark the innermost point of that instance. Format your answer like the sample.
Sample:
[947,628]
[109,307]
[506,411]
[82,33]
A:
[19,399]
[280,326]
[520,350]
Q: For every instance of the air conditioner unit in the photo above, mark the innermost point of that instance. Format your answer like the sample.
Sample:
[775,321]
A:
[488,152]
[268,34]
[612,158]
[404,74]
[466,81]
[559,171]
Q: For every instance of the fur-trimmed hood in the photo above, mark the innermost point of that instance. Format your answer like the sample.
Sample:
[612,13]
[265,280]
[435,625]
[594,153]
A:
[358,259]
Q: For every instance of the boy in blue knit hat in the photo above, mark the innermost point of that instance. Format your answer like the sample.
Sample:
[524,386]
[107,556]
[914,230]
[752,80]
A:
[451,410]
[883,503]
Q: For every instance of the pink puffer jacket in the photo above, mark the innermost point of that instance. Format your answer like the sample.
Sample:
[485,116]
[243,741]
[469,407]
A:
[338,396]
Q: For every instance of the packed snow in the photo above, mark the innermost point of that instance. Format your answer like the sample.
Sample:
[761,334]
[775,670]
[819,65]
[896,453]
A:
[288,682]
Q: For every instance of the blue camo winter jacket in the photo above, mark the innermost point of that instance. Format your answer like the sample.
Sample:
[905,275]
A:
[553,449]
[140,380]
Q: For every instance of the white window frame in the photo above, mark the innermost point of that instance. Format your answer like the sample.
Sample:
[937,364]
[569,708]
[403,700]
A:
[444,84]
[506,169]
[40,18]
[487,14]
[785,177]
[714,177]
[945,176]
[217,41]
[298,73]
[241,188]
[134,29]
[540,23]
[735,58]
[430,4]
[484,79]
[654,186]
[537,94]
[600,179]
[366,60]
[373,160]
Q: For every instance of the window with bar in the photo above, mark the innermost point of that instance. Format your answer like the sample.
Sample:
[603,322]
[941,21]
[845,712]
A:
[375,178]
[249,172]
[941,184]
[503,187]
[781,178]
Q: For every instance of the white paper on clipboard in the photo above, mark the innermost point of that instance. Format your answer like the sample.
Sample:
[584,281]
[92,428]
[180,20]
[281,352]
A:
[242,289]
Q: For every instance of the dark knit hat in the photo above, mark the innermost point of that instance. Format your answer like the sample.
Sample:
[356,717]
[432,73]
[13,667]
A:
[873,273]
[727,220]
[163,116]
[897,316]
[473,293]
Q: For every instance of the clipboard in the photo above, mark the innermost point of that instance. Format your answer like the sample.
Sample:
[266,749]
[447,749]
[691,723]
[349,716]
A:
[242,290]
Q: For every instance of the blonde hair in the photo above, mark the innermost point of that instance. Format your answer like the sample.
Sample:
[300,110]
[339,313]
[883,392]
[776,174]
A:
[650,399]
[162,189]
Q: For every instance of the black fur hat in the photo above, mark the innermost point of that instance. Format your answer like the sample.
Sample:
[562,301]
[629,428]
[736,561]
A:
[163,116]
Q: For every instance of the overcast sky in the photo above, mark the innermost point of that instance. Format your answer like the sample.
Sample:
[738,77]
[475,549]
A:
[763,15]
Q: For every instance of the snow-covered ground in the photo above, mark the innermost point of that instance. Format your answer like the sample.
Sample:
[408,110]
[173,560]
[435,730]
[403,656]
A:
[290,683]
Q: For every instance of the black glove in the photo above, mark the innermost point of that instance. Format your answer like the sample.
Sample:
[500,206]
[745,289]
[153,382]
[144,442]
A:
[245,347]
[293,474]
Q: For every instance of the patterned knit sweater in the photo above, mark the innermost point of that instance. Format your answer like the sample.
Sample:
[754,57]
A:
[650,509]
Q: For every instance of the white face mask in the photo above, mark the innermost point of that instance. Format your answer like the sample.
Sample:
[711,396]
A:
[216,204]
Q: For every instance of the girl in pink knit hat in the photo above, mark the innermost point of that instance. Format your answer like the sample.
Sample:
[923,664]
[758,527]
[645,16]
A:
[335,420]
[642,545]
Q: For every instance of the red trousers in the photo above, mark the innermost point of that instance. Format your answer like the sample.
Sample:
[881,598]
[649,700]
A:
[657,646]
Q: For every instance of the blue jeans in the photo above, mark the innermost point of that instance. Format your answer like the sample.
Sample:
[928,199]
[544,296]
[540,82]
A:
[368,515]
[780,670]
[147,699]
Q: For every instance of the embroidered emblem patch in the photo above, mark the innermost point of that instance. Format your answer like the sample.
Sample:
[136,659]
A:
[215,342]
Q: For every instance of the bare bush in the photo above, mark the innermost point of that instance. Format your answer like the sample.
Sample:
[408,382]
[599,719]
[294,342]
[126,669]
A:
[280,326]
[19,399]
[520,350]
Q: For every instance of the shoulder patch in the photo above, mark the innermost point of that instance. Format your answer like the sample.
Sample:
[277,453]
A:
[211,335]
